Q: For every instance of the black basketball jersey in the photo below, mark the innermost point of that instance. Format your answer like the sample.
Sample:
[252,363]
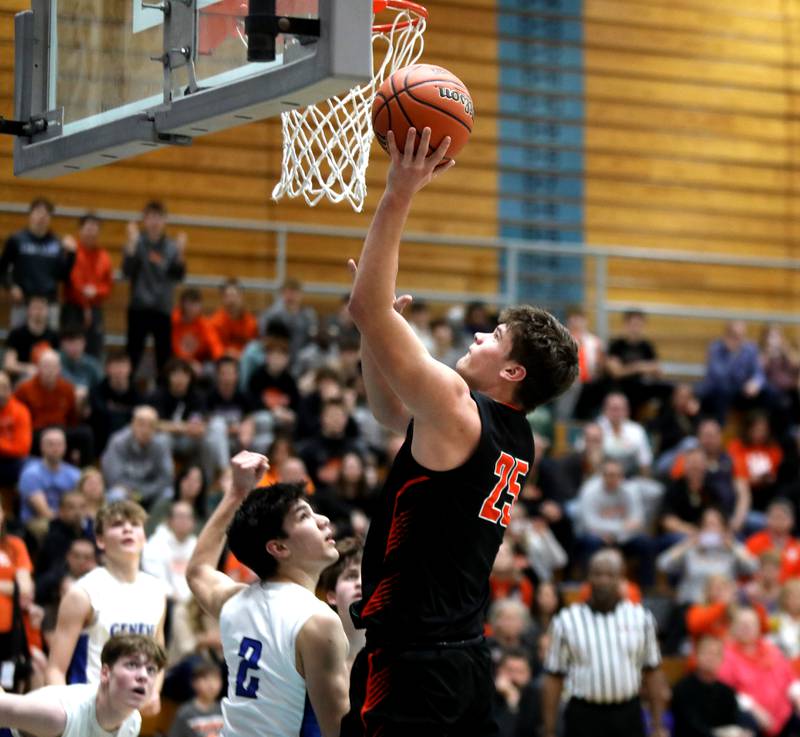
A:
[435,534]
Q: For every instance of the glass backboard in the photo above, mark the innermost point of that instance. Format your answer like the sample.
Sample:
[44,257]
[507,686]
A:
[107,92]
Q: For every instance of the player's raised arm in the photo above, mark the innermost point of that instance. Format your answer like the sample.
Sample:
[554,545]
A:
[322,651]
[426,387]
[36,713]
[211,587]
[387,407]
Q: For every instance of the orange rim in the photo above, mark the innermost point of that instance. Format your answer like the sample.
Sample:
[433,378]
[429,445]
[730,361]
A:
[379,5]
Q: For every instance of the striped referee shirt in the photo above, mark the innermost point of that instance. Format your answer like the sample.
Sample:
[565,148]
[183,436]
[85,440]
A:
[602,654]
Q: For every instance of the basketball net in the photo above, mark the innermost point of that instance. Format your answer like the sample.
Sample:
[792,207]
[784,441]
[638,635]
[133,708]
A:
[326,146]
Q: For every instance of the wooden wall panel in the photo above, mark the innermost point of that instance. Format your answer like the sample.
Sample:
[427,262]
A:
[690,145]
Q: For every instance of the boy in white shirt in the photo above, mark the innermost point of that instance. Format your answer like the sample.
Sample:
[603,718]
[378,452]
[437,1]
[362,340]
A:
[128,675]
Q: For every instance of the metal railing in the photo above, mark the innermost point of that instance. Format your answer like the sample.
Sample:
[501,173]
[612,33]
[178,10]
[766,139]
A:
[514,250]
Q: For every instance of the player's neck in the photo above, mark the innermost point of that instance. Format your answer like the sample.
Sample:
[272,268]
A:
[124,569]
[108,717]
[299,576]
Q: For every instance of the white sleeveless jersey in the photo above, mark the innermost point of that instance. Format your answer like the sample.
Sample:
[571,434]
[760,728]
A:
[78,702]
[118,608]
[266,695]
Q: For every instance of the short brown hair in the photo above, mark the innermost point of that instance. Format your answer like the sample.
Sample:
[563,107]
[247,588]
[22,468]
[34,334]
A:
[350,551]
[545,349]
[41,202]
[121,646]
[124,509]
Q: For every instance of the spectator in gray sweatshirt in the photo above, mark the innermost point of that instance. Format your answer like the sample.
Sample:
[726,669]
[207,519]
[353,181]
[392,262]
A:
[154,264]
[711,551]
[137,462]
[610,512]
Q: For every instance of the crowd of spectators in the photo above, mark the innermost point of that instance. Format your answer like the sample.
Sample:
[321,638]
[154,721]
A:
[697,485]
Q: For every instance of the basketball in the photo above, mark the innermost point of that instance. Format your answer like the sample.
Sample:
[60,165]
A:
[420,96]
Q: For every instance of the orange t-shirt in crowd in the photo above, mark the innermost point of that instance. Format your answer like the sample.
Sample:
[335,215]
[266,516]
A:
[16,430]
[48,407]
[234,333]
[195,340]
[762,542]
[272,477]
[237,570]
[714,620]
[13,557]
[758,460]
[739,468]
[521,589]
[632,592]
[92,267]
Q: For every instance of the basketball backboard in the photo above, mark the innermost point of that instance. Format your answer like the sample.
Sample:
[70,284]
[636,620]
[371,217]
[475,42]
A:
[116,78]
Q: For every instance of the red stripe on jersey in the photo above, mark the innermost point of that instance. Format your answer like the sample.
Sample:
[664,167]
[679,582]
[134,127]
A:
[400,520]
[380,597]
[377,687]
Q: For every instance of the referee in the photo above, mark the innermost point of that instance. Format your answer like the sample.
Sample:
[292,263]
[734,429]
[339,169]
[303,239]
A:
[603,650]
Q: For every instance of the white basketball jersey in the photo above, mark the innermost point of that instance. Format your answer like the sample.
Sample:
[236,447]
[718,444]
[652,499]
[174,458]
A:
[118,607]
[266,695]
[78,702]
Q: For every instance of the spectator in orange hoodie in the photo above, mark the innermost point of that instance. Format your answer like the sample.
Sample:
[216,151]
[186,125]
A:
[234,326]
[777,537]
[761,455]
[16,433]
[51,400]
[715,616]
[193,338]
[89,284]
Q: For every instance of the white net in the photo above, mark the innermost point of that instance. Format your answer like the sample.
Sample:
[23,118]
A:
[326,146]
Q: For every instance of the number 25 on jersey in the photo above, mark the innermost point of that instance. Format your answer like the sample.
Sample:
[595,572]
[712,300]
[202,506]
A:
[508,470]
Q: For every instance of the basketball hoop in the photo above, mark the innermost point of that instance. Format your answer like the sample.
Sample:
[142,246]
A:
[326,146]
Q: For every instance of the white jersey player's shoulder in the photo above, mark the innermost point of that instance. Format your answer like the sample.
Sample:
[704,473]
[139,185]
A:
[78,702]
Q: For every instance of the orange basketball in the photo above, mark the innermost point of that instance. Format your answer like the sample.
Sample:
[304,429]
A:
[420,96]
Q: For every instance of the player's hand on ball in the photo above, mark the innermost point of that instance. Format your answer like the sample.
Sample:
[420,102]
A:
[412,170]
[248,468]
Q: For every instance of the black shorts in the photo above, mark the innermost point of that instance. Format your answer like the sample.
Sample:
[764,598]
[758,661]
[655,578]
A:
[585,719]
[421,692]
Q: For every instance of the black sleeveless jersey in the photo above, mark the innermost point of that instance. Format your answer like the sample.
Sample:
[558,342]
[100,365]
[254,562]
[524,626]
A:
[435,534]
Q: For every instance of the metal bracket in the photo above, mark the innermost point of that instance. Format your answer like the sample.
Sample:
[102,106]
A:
[180,43]
[263,26]
[23,128]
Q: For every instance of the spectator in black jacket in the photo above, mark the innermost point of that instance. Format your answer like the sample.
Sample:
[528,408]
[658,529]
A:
[182,417]
[70,524]
[517,697]
[675,424]
[26,342]
[323,452]
[80,558]
[154,264]
[35,261]
[271,386]
[632,364]
[702,706]
[113,400]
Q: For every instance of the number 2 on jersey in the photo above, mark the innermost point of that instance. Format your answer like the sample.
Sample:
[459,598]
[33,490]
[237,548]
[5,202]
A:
[249,652]
[508,469]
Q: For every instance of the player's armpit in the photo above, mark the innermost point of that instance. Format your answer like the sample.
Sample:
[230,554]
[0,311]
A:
[211,587]
[74,614]
[34,714]
[322,657]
